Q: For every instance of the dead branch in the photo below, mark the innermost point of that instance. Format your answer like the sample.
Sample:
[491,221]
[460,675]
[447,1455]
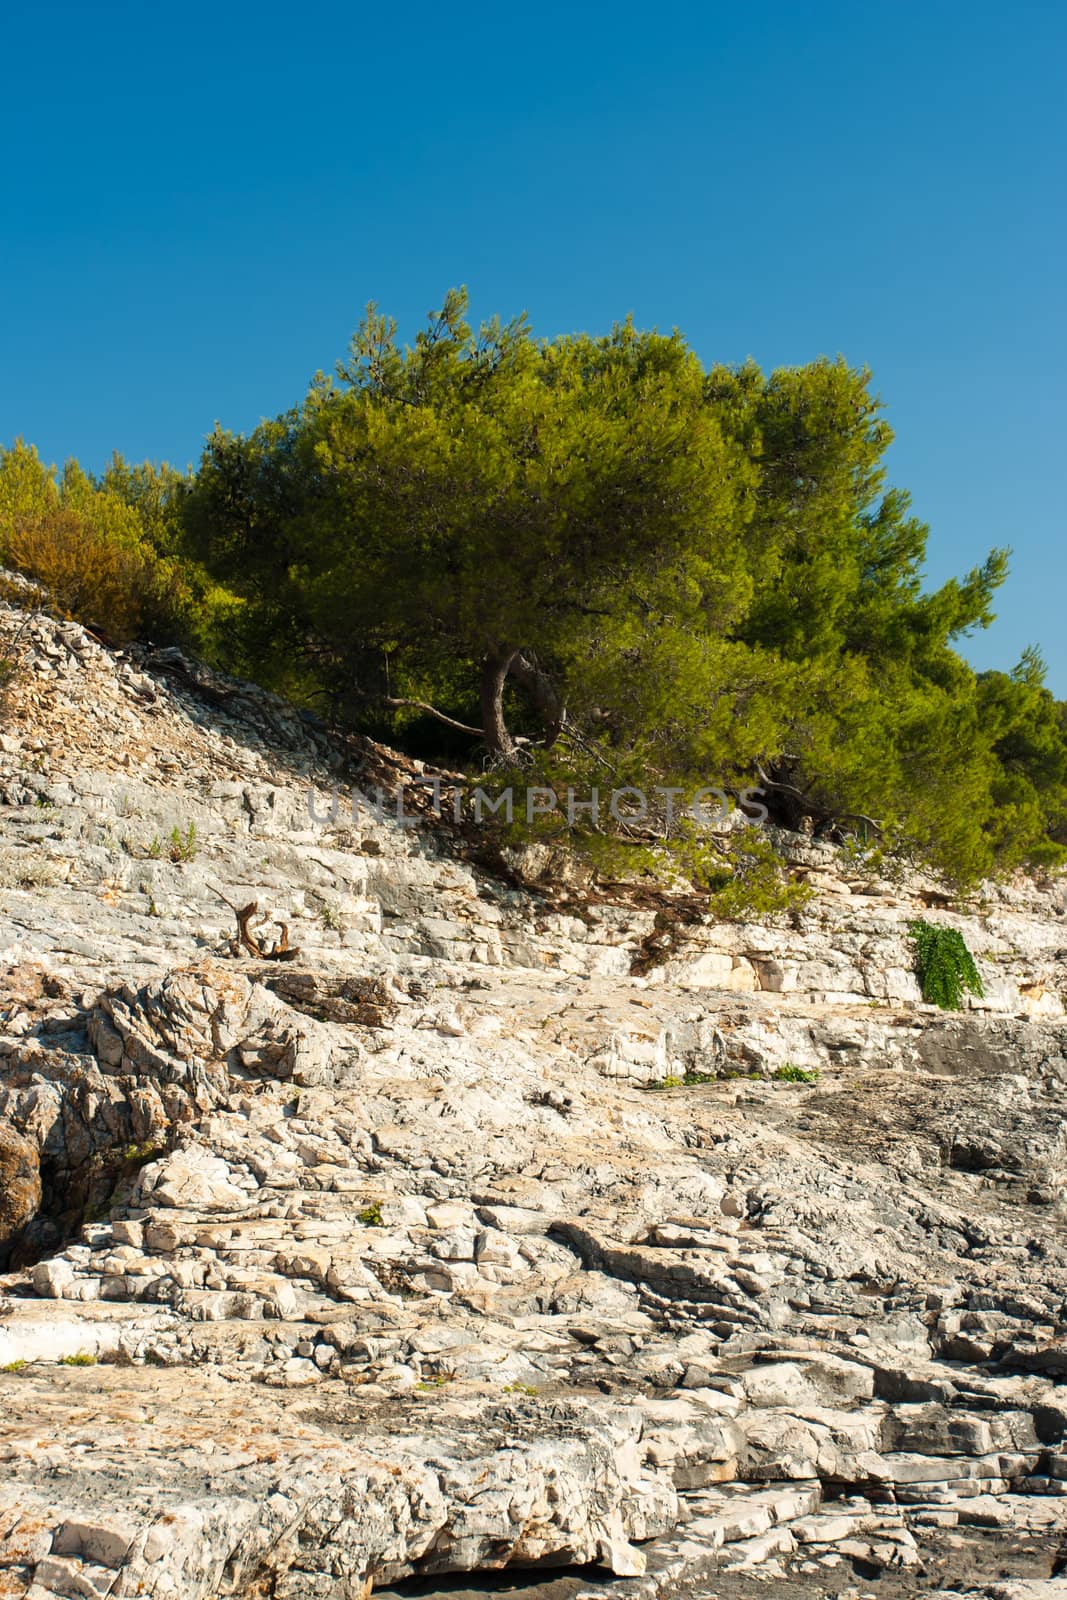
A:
[247,916]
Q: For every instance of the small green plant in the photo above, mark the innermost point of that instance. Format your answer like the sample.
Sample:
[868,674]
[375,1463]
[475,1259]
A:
[371,1216]
[14,1366]
[180,847]
[83,1359]
[330,918]
[788,1073]
[183,846]
[687,1081]
[943,965]
[435,1383]
[520,1388]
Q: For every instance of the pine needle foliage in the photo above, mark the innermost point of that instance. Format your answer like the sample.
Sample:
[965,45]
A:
[943,965]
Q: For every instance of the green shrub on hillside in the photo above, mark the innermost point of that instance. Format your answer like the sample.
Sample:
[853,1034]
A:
[789,1073]
[111,586]
[107,553]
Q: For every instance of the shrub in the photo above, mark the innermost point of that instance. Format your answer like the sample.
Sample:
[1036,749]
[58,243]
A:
[183,846]
[179,847]
[118,587]
[689,1080]
[788,1073]
[943,965]
[27,869]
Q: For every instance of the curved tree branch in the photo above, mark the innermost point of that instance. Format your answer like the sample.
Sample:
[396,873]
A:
[396,702]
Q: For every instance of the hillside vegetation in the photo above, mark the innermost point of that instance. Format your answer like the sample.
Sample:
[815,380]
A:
[590,559]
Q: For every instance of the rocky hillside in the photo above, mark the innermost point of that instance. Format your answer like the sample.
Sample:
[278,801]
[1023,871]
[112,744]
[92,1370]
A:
[370,1250]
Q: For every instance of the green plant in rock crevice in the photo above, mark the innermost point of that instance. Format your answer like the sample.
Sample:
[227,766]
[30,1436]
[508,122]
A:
[943,965]
[689,1080]
[182,846]
[788,1073]
[179,848]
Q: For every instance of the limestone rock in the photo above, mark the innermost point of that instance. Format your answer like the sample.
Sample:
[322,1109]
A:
[490,1232]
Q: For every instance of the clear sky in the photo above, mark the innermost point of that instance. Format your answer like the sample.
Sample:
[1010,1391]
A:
[199,200]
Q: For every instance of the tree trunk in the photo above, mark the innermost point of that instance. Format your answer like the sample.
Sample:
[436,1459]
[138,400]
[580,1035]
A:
[529,674]
[494,674]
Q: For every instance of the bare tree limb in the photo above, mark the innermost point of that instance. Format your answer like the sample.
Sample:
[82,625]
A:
[396,702]
[247,916]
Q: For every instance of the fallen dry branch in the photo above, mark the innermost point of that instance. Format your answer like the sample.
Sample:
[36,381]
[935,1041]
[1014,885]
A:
[247,916]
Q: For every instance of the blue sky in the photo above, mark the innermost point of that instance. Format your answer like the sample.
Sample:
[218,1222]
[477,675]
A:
[199,201]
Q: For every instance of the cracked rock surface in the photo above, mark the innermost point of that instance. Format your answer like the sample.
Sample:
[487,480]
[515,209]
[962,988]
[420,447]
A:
[394,1266]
